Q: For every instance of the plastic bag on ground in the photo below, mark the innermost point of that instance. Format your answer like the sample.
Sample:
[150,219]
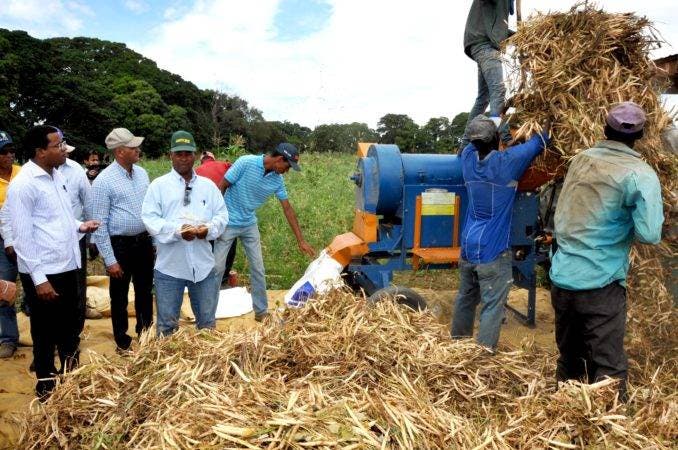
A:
[322,275]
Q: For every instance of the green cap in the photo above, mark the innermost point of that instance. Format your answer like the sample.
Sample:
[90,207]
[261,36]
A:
[182,141]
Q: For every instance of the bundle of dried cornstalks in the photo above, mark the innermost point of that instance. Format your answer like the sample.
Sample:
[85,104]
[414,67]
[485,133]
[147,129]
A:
[571,66]
[340,374]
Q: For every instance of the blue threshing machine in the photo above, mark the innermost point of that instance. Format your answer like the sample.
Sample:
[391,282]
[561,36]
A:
[410,209]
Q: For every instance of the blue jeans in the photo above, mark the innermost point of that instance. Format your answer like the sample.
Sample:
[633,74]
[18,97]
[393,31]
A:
[169,295]
[251,242]
[9,331]
[491,89]
[488,284]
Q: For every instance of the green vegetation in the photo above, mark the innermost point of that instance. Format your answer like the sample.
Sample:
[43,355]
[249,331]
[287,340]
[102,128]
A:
[88,86]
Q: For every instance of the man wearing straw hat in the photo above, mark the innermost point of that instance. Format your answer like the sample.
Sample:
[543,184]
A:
[485,269]
[610,198]
[486,28]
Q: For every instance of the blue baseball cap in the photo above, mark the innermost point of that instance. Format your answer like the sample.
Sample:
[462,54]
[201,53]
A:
[290,153]
[5,139]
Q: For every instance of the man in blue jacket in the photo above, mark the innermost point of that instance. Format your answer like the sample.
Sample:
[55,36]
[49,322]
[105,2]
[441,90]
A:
[491,179]
[610,198]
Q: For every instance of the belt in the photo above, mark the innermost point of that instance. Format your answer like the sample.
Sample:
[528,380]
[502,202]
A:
[141,237]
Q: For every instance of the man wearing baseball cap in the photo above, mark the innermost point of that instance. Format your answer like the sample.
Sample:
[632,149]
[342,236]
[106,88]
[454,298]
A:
[9,331]
[183,212]
[117,195]
[610,198]
[248,184]
[491,179]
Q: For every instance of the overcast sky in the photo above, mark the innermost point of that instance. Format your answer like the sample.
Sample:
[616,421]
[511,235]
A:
[306,61]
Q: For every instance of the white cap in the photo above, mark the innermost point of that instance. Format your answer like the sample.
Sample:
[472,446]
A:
[122,137]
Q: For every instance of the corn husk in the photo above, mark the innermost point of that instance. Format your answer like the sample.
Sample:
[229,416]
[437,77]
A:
[340,374]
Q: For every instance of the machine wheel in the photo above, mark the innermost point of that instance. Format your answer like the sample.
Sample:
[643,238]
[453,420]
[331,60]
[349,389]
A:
[402,295]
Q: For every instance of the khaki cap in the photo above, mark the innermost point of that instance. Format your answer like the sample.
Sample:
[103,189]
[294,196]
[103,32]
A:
[122,137]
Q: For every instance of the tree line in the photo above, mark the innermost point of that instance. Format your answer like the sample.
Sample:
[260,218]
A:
[88,86]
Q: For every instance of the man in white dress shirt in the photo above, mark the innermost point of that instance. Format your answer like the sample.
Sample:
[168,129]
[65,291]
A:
[46,239]
[182,212]
[80,191]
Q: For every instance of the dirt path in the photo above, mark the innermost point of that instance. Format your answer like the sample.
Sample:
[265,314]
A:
[16,388]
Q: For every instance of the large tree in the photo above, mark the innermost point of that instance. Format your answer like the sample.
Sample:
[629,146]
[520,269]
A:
[398,129]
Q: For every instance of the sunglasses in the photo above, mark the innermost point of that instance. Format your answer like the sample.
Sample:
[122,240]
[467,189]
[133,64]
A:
[187,195]
[6,150]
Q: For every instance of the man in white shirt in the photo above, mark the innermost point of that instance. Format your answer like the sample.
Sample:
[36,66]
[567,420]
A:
[46,238]
[182,212]
[80,192]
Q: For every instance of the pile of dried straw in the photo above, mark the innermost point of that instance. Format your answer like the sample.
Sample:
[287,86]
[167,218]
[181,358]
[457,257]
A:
[339,374]
[571,66]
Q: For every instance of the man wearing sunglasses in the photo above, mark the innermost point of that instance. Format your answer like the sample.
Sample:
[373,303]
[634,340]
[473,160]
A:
[248,184]
[122,240]
[9,331]
[183,211]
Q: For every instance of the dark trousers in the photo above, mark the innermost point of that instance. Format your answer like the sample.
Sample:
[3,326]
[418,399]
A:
[590,328]
[54,324]
[230,259]
[136,258]
[82,279]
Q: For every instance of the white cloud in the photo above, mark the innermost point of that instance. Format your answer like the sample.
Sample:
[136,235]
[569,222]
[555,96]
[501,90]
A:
[44,18]
[136,6]
[373,57]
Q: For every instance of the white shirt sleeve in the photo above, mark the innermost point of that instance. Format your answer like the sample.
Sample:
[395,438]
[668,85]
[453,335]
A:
[219,214]
[20,204]
[163,231]
[6,227]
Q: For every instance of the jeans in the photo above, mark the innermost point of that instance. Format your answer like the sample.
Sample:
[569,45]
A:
[169,295]
[9,330]
[136,257]
[54,324]
[251,242]
[491,89]
[590,328]
[488,284]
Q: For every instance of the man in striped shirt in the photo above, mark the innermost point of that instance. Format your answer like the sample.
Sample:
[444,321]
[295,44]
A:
[117,195]
[46,238]
[248,184]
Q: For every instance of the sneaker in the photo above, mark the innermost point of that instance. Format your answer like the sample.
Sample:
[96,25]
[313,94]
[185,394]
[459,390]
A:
[92,314]
[7,350]
[259,317]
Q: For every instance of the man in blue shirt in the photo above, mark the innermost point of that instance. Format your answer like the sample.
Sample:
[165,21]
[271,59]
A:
[248,184]
[491,179]
[126,247]
[183,211]
[610,198]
